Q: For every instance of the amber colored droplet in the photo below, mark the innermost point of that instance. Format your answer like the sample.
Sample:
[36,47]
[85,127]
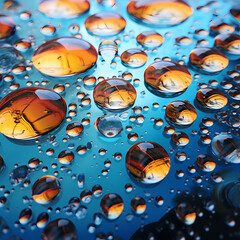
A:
[167,78]
[150,39]
[63,8]
[235,11]
[206,163]
[11,5]
[22,45]
[64,56]
[221,27]
[7,26]
[181,113]
[48,30]
[209,60]
[138,205]
[148,162]
[183,40]
[74,129]
[211,98]
[161,13]
[112,206]
[46,189]
[134,58]
[31,112]
[65,157]
[228,42]
[186,213]
[105,23]
[114,95]
[181,139]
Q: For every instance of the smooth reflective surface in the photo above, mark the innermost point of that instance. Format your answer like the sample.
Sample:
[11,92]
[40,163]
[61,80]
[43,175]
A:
[31,112]
[134,58]
[114,95]
[64,57]
[161,13]
[229,43]
[226,147]
[181,113]
[60,229]
[7,26]
[167,78]
[109,125]
[150,39]
[112,206]
[46,189]
[211,98]
[208,60]
[148,162]
[63,8]
[105,23]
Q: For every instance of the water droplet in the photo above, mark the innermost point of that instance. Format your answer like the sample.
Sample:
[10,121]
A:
[9,57]
[114,95]
[18,175]
[74,129]
[64,56]
[25,216]
[74,28]
[46,189]
[97,190]
[211,98]
[109,125]
[226,147]
[184,40]
[181,113]
[148,162]
[22,45]
[167,78]
[208,60]
[31,112]
[63,9]
[186,213]
[206,163]
[48,30]
[58,229]
[107,3]
[65,157]
[42,220]
[221,27]
[138,205]
[150,39]
[108,49]
[235,12]
[105,23]
[134,58]
[7,26]
[159,13]
[229,43]
[112,206]
[181,139]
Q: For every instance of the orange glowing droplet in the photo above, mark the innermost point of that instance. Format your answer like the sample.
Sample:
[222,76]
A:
[160,13]
[7,26]
[105,23]
[63,8]
[114,95]
[31,112]
[46,189]
[64,56]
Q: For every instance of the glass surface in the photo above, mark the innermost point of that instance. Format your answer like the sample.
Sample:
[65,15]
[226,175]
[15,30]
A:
[71,174]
